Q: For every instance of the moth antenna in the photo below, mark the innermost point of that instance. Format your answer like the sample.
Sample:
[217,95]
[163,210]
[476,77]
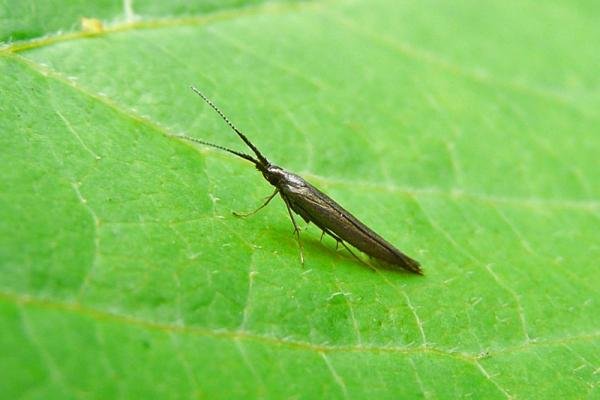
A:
[216,146]
[263,160]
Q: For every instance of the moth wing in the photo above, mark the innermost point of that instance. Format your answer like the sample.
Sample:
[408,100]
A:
[316,207]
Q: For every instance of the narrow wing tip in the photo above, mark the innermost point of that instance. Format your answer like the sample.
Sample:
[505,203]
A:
[405,263]
[416,268]
[411,265]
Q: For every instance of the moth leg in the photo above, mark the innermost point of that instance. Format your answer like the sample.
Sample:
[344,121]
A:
[247,214]
[339,240]
[297,232]
[355,256]
[321,239]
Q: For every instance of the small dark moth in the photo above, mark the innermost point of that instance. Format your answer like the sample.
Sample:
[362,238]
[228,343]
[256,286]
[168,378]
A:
[315,206]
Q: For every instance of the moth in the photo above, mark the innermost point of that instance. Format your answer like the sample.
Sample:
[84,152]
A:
[312,205]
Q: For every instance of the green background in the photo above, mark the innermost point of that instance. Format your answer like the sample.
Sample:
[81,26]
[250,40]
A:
[464,132]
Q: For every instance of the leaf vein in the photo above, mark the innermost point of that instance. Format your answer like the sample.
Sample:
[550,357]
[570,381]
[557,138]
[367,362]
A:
[537,203]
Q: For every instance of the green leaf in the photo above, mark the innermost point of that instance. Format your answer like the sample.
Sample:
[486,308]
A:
[466,134]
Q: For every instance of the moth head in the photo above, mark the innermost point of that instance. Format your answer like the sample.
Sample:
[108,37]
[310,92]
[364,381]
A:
[272,173]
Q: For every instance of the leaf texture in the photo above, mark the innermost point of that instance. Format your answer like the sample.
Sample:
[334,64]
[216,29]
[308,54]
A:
[465,134]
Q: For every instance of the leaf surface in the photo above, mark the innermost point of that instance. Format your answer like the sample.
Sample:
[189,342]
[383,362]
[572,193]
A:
[466,135]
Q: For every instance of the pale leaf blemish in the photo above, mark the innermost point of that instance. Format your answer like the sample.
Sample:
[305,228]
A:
[336,295]
[128,11]
[92,25]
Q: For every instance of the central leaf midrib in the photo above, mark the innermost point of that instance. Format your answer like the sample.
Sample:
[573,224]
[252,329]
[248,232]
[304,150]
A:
[457,194]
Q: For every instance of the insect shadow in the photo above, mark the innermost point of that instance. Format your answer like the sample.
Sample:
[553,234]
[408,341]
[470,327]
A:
[303,199]
[320,244]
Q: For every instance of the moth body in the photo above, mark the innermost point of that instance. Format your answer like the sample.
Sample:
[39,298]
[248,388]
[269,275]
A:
[314,206]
